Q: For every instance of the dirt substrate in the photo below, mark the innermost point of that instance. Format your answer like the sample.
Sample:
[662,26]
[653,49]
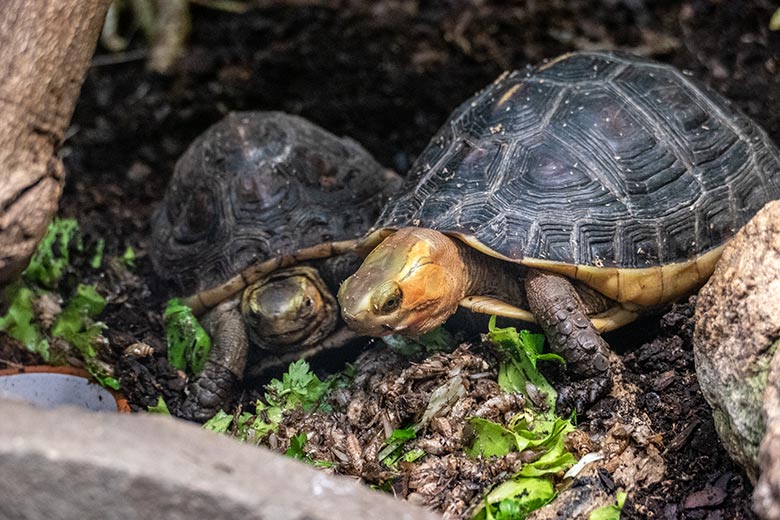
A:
[387,74]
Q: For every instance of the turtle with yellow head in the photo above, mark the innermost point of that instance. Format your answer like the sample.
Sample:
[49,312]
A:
[577,195]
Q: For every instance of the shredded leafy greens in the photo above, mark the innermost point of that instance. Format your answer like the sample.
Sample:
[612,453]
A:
[539,431]
[75,324]
[188,343]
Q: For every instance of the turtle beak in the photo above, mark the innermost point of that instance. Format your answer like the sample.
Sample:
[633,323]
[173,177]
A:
[357,312]
[382,329]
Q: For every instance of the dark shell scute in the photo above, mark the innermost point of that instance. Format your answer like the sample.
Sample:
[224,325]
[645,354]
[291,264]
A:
[595,241]
[513,109]
[580,67]
[596,158]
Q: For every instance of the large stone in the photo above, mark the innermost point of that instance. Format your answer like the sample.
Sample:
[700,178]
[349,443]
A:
[766,498]
[71,464]
[737,328]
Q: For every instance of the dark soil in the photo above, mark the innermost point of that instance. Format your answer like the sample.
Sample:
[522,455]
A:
[387,74]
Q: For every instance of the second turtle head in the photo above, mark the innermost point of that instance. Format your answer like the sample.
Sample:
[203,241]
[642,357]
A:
[291,307]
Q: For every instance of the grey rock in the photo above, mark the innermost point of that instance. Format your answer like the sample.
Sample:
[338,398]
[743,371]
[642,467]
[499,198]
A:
[71,464]
[736,331]
[766,497]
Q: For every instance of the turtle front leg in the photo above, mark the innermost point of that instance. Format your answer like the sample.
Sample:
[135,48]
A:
[211,389]
[562,315]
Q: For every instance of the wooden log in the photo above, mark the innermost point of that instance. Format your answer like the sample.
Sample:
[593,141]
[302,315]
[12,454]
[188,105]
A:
[45,50]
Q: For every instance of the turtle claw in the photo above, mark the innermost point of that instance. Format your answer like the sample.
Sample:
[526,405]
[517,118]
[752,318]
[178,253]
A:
[208,393]
[580,395]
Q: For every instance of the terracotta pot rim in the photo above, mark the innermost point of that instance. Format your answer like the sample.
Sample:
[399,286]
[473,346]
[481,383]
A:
[122,406]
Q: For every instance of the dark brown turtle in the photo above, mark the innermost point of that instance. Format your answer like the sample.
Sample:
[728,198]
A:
[256,186]
[577,194]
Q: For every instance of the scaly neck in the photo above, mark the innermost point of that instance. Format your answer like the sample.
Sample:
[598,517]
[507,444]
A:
[489,276]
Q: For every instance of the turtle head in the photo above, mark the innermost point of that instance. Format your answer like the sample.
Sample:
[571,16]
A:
[289,308]
[409,284]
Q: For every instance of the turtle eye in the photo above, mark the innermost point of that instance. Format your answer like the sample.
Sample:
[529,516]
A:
[391,304]
[307,308]
[387,298]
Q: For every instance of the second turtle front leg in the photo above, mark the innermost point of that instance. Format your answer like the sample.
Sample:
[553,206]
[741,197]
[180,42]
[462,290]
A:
[210,391]
[560,312]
